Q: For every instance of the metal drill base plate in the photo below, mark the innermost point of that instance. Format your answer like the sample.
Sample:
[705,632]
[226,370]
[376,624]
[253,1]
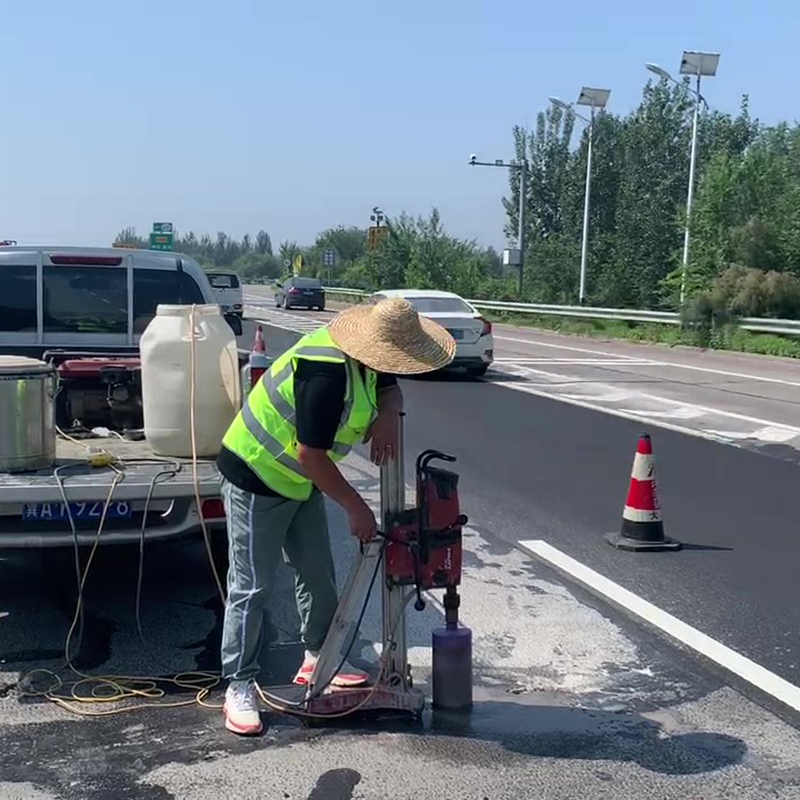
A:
[367,699]
[338,701]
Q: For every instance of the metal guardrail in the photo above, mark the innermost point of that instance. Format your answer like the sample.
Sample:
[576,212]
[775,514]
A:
[786,327]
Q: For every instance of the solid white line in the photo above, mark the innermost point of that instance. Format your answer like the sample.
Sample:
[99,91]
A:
[731,661]
[655,362]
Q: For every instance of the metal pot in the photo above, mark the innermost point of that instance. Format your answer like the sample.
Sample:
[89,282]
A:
[27,418]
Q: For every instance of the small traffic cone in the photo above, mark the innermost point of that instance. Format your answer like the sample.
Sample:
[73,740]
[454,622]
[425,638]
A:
[258,344]
[642,528]
[257,363]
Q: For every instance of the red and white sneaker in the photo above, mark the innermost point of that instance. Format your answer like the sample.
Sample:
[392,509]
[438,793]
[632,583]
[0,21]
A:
[348,676]
[241,709]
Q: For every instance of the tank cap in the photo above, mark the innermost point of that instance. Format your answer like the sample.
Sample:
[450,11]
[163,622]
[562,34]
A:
[206,310]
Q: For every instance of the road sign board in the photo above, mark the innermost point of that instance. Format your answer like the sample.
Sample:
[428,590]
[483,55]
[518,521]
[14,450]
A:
[163,227]
[162,241]
[375,236]
[329,258]
[287,262]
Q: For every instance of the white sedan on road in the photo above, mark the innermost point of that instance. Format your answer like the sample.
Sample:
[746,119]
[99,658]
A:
[473,333]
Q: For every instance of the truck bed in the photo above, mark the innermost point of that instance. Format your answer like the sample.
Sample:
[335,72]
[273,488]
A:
[135,460]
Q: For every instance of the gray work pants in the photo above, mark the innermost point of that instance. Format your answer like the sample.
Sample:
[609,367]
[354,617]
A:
[260,531]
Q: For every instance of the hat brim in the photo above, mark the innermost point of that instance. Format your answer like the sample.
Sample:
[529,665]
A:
[356,335]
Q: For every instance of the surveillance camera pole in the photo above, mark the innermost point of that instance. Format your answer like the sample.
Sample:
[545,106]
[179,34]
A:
[523,174]
[523,182]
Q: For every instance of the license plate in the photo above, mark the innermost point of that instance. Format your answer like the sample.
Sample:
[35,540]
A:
[308,291]
[57,511]
[457,334]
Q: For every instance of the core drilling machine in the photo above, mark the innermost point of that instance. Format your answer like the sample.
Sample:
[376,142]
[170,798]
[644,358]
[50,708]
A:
[419,549]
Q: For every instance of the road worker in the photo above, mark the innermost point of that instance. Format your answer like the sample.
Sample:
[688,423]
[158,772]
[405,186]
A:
[335,388]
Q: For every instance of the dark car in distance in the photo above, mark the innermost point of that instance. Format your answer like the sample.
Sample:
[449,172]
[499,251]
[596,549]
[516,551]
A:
[300,293]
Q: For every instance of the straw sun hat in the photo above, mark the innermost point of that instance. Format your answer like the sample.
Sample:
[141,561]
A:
[390,336]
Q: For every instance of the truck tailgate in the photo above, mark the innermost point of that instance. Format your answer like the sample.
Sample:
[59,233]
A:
[84,483]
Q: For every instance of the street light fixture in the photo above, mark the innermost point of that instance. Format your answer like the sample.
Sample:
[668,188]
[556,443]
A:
[594,98]
[701,65]
[522,168]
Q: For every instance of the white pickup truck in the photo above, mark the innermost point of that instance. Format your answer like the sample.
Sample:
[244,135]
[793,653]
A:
[83,310]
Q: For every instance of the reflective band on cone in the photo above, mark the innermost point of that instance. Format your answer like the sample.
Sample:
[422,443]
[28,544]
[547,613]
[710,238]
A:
[642,528]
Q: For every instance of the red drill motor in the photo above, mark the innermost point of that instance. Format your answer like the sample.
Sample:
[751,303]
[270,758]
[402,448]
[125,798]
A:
[423,547]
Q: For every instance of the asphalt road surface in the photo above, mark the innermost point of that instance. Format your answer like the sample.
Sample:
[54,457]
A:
[751,401]
[536,467]
[572,699]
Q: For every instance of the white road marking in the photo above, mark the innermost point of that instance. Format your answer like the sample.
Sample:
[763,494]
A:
[687,412]
[555,378]
[731,661]
[769,434]
[655,362]
[575,401]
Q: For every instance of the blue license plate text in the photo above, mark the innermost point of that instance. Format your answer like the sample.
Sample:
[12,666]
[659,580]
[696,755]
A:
[57,511]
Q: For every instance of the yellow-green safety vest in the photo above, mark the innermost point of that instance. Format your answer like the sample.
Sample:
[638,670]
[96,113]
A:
[264,434]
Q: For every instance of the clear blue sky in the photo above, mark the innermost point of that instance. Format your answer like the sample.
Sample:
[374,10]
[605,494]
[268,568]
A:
[298,115]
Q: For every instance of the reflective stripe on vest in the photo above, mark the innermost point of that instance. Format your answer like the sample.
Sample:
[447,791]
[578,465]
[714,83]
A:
[264,433]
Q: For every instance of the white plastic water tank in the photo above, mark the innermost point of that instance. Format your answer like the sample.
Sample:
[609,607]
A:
[167,379]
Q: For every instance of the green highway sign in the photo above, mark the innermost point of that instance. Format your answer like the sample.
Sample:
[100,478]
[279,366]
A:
[163,227]
[162,241]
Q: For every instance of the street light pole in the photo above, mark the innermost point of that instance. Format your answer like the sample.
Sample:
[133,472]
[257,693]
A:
[690,193]
[697,64]
[595,98]
[523,186]
[586,204]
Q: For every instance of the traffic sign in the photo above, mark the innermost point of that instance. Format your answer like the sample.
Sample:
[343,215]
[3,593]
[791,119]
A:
[329,258]
[163,227]
[375,235]
[287,262]
[162,241]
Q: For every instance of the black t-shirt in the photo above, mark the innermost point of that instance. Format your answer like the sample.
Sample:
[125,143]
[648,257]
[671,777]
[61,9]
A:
[319,390]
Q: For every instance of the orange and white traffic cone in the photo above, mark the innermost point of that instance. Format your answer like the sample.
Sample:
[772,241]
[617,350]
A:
[642,527]
[257,363]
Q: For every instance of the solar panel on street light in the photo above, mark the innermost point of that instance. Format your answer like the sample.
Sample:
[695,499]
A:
[597,98]
[696,63]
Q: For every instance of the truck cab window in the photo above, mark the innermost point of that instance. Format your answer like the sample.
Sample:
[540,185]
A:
[18,299]
[80,299]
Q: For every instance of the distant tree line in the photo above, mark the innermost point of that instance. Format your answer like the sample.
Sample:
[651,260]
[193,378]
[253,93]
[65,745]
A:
[745,227]
[415,251]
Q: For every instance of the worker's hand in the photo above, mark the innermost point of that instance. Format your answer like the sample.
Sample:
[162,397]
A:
[383,434]
[362,522]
